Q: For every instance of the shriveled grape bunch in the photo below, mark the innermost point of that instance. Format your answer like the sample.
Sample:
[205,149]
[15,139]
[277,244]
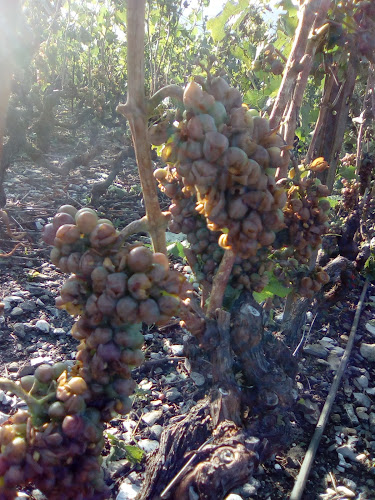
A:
[185,219]
[269,60]
[350,194]
[56,444]
[227,158]
[366,172]
[306,220]
[306,216]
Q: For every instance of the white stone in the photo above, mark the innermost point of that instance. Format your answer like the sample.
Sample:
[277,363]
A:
[40,360]
[152,417]
[59,331]
[345,491]
[148,445]
[42,325]
[233,496]
[128,491]
[368,351]
[177,349]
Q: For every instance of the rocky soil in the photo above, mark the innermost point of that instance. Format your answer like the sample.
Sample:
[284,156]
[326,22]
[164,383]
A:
[34,331]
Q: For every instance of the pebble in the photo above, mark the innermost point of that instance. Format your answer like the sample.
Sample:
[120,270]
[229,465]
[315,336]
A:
[316,350]
[345,491]
[13,298]
[233,496]
[58,331]
[16,311]
[19,330]
[368,351]
[361,382]
[128,491]
[350,412]
[172,394]
[347,452]
[249,489]
[349,483]
[148,445]
[42,325]
[40,360]
[152,417]
[5,399]
[372,419]
[177,349]
[12,367]
[197,378]
[361,412]
[28,305]
[327,342]
[3,417]
[156,431]
[362,399]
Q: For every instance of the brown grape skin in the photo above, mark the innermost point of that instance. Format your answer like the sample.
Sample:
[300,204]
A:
[139,286]
[62,218]
[49,234]
[149,311]
[68,209]
[140,259]
[127,309]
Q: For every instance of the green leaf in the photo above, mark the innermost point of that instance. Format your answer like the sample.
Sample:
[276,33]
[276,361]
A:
[263,295]
[277,288]
[176,249]
[334,199]
[347,173]
[120,450]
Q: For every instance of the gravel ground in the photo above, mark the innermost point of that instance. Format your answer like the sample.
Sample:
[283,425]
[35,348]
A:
[34,331]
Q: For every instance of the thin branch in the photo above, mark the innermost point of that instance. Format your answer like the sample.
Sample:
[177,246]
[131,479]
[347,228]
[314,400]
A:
[308,15]
[302,477]
[135,112]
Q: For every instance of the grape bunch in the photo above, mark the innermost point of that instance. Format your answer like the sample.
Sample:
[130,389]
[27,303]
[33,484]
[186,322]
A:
[306,216]
[269,60]
[366,172]
[225,157]
[57,443]
[350,194]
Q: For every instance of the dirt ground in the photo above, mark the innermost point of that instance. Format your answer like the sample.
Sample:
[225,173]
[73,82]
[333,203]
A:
[33,331]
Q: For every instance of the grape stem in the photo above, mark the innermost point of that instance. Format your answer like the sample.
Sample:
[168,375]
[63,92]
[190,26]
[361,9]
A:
[220,282]
[142,226]
[35,405]
[172,91]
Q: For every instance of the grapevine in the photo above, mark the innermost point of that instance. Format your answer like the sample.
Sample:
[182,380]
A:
[56,444]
